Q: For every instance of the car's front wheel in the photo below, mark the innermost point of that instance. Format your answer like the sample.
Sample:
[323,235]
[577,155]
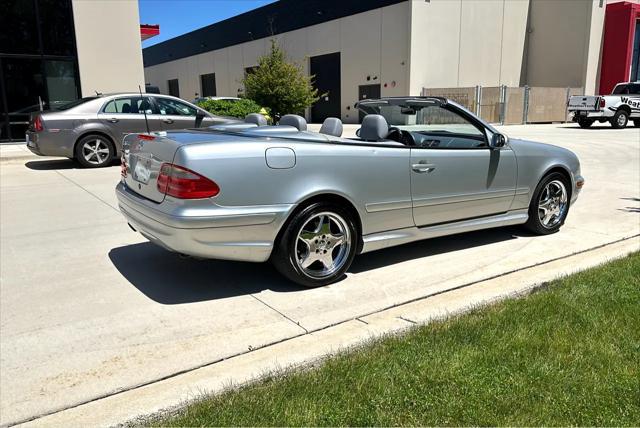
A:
[550,205]
[317,246]
[94,151]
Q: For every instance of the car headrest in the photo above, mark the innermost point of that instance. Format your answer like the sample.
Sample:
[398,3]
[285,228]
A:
[256,118]
[374,128]
[295,121]
[126,108]
[332,126]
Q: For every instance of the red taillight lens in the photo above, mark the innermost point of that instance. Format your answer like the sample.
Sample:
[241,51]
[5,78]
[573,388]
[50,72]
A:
[602,103]
[37,124]
[183,183]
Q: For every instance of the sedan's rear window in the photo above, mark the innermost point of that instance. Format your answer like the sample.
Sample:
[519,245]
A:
[75,103]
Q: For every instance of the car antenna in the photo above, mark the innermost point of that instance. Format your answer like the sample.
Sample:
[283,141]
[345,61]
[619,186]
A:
[144,111]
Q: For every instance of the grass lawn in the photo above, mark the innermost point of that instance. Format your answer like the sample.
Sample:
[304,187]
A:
[568,355]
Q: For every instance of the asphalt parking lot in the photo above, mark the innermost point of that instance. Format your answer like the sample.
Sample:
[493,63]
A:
[89,308]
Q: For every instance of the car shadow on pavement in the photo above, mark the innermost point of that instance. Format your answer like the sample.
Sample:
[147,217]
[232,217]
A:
[430,247]
[57,164]
[170,279]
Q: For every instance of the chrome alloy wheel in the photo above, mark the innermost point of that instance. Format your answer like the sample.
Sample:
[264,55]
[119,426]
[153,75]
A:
[96,151]
[323,245]
[552,205]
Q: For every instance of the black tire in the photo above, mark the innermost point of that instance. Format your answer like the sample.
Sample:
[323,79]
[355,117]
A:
[636,123]
[585,123]
[620,119]
[290,251]
[535,224]
[89,158]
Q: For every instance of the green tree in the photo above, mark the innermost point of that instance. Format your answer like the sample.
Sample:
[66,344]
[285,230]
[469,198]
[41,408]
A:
[279,85]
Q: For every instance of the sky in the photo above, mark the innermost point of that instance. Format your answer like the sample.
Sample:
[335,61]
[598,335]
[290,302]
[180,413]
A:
[177,17]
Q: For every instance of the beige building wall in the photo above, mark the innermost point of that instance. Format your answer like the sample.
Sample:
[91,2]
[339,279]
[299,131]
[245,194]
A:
[458,43]
[373,44]
[109,46]
[563,43]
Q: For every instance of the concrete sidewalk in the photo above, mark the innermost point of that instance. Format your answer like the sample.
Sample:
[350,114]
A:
[98,326]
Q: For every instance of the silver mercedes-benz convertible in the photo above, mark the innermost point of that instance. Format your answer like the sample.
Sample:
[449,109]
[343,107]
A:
[420,167]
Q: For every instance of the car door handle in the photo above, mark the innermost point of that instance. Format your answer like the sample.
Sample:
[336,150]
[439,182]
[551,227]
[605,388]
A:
[114,120]
[168,121]
[423,167]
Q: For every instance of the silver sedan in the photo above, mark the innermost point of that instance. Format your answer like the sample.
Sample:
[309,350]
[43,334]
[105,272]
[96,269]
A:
[91,129]
[310,202]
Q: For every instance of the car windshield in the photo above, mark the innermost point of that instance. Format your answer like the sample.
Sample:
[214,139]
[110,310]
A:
[427,116]
[73,104]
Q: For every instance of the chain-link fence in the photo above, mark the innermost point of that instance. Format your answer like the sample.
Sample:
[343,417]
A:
[507,105]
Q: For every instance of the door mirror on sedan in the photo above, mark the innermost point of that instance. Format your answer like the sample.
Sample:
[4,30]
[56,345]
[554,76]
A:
[199,117]
[497,141]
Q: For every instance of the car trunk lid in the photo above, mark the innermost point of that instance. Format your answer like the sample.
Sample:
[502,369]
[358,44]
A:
[144,154]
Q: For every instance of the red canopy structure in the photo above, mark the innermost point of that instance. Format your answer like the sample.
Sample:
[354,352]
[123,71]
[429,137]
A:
[621,21]
[148,31]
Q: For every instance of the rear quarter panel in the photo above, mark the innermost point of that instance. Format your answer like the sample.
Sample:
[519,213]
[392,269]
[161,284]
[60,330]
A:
[361,174]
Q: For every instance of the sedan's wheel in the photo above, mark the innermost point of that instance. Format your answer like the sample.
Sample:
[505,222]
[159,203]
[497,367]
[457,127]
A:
[620,119]
[317,246]
[94,151]
[549,206]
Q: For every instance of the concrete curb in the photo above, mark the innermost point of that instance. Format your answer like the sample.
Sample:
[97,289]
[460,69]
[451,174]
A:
[176,390]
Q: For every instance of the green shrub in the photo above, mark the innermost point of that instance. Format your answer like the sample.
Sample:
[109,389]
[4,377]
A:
[232,108]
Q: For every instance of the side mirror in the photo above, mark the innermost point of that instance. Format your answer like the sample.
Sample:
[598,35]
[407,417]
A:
[199,117]
[497,140]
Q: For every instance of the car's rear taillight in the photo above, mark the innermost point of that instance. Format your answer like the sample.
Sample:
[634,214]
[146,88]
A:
[602,103]
[37,124]
[183,183]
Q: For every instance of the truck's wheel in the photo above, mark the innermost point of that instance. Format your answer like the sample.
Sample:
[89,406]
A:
[317,246]
[585,123]
[620,119]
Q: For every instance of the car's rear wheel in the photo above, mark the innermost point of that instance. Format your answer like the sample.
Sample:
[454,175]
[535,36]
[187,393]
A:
[550,205]
[620,119]
[585,123]
[94,151]
[317,246]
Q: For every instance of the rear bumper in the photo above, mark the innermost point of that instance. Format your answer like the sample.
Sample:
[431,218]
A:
[50,143]
[577,114]
[211,231]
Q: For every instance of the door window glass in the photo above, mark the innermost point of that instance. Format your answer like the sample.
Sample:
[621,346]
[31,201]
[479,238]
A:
[170,107]
[130,105]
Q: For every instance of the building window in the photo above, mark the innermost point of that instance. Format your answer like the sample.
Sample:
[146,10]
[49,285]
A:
[174,87]
[208,85]
[38,63]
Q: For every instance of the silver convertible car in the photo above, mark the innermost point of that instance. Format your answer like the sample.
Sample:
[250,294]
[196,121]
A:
[310,202]
[91,129]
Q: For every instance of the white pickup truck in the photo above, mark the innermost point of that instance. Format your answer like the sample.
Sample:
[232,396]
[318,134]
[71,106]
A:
[618,108]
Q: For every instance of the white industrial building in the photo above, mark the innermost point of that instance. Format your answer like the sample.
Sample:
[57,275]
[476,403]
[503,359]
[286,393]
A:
[376,48]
